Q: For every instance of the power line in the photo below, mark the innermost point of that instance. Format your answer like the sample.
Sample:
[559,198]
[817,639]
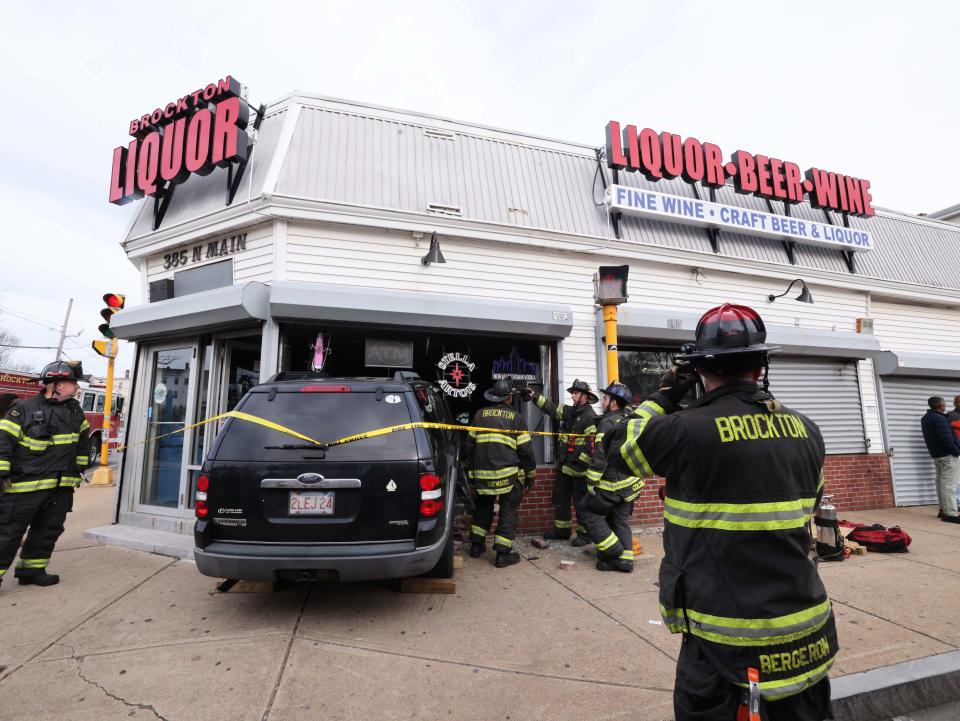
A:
[37,347]
[31,320]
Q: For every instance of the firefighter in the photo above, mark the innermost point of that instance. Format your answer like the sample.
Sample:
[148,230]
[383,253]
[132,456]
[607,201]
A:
[743,476]
[501,467]
[611,488]
[44,447]
[577,427]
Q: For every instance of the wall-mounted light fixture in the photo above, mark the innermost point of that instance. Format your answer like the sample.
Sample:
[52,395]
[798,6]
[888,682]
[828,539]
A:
[433,255]
[804,297]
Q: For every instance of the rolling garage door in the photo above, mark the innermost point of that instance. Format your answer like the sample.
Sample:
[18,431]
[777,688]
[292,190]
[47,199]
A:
[905,402]
[828,391]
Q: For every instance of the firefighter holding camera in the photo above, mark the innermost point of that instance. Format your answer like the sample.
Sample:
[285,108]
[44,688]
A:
[743,476]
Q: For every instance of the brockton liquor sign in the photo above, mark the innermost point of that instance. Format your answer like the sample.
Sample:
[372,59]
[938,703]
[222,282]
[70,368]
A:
[195,133]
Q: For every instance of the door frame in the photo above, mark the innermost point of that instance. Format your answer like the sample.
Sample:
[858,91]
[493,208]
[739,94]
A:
[146,399]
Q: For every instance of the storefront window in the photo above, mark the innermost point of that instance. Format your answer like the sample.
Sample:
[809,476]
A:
[461,364]
[166,412]
[642,368]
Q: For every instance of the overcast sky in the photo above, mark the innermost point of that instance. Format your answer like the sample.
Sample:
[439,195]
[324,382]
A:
[863,88]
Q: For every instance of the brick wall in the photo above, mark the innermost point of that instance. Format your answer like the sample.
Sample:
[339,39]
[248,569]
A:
[857,482]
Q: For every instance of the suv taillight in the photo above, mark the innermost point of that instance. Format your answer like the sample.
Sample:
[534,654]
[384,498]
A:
[200,504]
[431,502]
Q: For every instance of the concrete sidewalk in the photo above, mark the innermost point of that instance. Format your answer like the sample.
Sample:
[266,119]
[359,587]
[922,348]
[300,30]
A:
[129,635]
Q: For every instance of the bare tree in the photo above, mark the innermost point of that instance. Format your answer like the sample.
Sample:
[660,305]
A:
[8,348]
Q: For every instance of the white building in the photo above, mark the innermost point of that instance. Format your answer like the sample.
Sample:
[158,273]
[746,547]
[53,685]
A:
[337,206]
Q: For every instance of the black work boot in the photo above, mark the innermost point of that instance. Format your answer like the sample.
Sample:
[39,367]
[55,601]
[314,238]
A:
[477,548]
[505,559]
[580,541]
[37,578]
[557,534]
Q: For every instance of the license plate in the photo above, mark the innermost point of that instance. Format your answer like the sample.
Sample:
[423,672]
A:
[311,503]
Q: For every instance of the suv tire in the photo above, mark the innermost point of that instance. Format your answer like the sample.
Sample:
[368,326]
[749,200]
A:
[444,567]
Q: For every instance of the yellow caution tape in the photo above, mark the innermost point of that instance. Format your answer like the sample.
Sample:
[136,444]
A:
[348,439]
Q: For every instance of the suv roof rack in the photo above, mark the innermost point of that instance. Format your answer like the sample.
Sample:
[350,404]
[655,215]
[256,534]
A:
[403,376]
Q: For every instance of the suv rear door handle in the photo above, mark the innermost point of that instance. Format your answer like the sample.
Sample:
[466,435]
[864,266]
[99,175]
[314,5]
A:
[323,485]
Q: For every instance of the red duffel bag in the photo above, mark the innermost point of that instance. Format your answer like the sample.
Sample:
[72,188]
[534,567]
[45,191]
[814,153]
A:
[881,539]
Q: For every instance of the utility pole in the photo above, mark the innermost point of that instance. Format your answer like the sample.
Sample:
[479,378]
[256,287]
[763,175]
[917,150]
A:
[63,330]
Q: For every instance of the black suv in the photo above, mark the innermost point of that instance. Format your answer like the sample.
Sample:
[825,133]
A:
[272,507]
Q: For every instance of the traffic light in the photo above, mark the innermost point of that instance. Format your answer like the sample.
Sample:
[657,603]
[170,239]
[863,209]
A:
[106,348]
[114,305]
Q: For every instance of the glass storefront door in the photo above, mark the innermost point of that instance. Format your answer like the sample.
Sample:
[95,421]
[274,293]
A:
[170,408]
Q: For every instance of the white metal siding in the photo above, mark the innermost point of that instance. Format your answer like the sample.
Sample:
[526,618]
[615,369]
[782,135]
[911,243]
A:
[826,391]
[391,261]
[903,327]
[905,402]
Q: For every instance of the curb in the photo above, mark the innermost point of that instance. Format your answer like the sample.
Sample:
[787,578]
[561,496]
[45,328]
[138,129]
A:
[903,688]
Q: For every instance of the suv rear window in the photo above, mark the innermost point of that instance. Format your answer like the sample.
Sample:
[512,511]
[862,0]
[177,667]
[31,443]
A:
[324,417]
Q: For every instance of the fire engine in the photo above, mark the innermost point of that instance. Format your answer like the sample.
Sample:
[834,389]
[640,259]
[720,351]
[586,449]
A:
[92,398]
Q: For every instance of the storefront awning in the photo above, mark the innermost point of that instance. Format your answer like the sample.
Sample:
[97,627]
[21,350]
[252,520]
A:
[219,308]
[313,301]
[653,324]
[923,365]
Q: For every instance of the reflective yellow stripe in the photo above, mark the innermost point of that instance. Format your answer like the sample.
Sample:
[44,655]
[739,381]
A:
[563,524]
[4,465]
[477,530]
[570,471]
[506,542]
[523,438]
[593,475]
[10,427]
[64,438]
[774,516]
[83,460]
[33,563]
[584,458]
[484,475]
[607,485]
[2,571]
[627,555]
[749,631]
[608,542]
[497,438]
[34,444]
[70,480]
[821,481]
[495,491]
[27,486]
[630,450]
[774,690]
[84,426]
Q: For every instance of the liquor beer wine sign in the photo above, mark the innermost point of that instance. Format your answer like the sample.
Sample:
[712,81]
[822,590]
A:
[667,155]
[196,133]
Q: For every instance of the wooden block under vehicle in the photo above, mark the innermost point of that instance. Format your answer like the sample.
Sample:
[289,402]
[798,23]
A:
[457,562]
[427,585]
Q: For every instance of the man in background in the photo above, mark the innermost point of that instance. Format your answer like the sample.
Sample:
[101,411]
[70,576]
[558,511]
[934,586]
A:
[944,448]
